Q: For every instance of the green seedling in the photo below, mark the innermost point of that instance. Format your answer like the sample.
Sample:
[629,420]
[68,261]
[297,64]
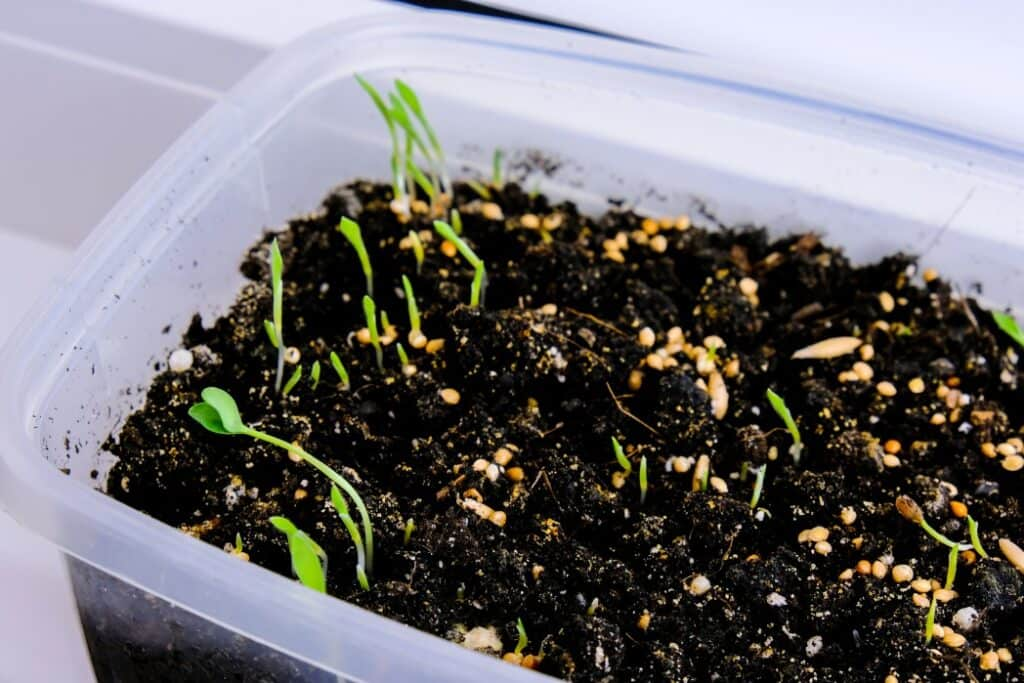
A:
[497,175]
[413,103]
[275,329]
[954,554]
[480,189]
[339,368]
[309,561]
[643,479]
[712,353]
[397,166]
[350,229]
[314,374]
[912,512]
[422,182]
[758,486]
[219,414]
[523,640]
[292,381]
[456,221]
[338,501]
[238,544]
[403,357]
[780,408]
[410,526]
[1008,324]
[929,621]
[370,312]
[972,528]
[414,310]
[385,322]
[620,456]
[417,249]
[400,115]
[480,276]
[744,469]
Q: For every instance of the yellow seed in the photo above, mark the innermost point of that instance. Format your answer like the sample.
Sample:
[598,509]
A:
[921,585]
[1013,463]
[867,352]
[916,385]
[748,286]
[891,679]
[515,473]
[682,223]
[417,339]
[503,456]
[886,389]
[536,571]
[491,211]
[893,446]
[902,573]
[498,518]
[957,508]
[1006,449]
[848,515]
[938,419]
[655,362]
[700,585]
[989,661]
[847,376]
[732,368]
[878,569]
[636,380]
[1013,553]
[618,479]
[863,567]
[552,222]
[719,485]
[1004,655]
[921,600]
[659,244]
[512,658]
[300,494]
[945,594]
[480,465]
[675,335]
[863,371]
[292,355]
[644,621]
[823,547]
[818,533]
[529,221]
[942,391]
[681,465]
[450,396]
[846,574]
[650,226]
[953,639]
[646,337]
[886,301]
[622,240]
[988,449]
[1016,443]
[449,249]
[434,345]
[829,348]
[890,460]
[929,274]
[549,309]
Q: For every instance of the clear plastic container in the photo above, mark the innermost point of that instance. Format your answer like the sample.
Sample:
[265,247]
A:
[666,131]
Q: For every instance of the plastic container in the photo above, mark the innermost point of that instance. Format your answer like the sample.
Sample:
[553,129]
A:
[665,130]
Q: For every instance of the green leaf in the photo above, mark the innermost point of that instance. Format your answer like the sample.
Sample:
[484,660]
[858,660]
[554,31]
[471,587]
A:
[456,221]
[403,357]
[780,407]
[521,644]
[339,368]
[620,456]
[379,101]
[410,302]
[226,408]
[1008,324]
[314,373]
[276,261]
[293,380]
[207,416]
[496,168]
[412,101]
[350,229]
[401,117]
[308,559]
[480,189]
[339,501]
[271,332]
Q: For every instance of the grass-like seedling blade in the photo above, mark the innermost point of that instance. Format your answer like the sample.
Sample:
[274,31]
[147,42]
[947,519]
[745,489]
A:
[480,271]
[523,640]
[911,511]
[410,526]
[779,405]
[643,479]
[271,333]
[422,181]
[929,621]
[497,168]
[397,171]
[480,189]
[954,554]
[277,287]
[417,250]
[350,229]
[410,302]
[314,374]
[403,357]
[620,456]
[309,561]
[292,381]
[338,501]
[972,528]
[1008,324]
[339,368]
[370,312]
[758,486]
[456,221]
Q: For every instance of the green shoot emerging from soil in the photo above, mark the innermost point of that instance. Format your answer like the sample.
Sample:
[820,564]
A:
[275,329]
[403,357]
[972,528]
[497,176]
[912,512]
[417,249]
[480,189]
[1008,324]
[954,554]
[643,479]
[341,506]
[370,312]
[480,276]
[758,486]
[413,103]
[410,526]
[218,413]
[339,368]
[309,561]
[414,311]
[292,381]
[350,229]
[523,641]
[456,221]
[314,374]
[397,167]
[620,456]
[929,621]
[779,405]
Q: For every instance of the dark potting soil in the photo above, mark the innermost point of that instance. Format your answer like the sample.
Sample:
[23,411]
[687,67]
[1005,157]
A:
[689,583]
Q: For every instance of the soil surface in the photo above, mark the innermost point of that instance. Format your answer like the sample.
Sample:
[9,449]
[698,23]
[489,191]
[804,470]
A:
[692,582]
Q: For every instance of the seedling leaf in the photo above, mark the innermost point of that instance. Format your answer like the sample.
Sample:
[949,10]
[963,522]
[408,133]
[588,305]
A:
[370,312]
[341,506]
[643,479]
[779,405]
[972,528]
[271,332]
[497,178]
[456,221]
[226,408]
[293,380]
[308,559]
[1008,324]
[417,249]
[523,641]
[339,368]
[480,274]
[620,456]
[758,486]
[277,288]
[410,301]
[314,373]
[350,229]
[480,189]
[208,417]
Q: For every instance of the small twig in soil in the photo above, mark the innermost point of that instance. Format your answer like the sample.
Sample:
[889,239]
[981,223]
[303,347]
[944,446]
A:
[597,321]
[630,415]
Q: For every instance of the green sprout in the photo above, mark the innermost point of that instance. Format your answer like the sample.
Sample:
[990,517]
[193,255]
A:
[370,312]
[309,561]
[238,544]
[400,115]
[497,179]
[385,323]
[403,357]
[314,374]
[744,468]
[417,249]
[292,381]
[480,276]
[397,167]
[350,229]
[410,526]
[620,456]
[414,311]
[954,554]
[523,641]
[643,479]
[275,329]
[413,102]
[972,528]
[780,408]
[219,414]
[339,368]
[480,189]
[456,221]
[929,621]
[338,501]
[1008,324]
[911,511]
[758,485]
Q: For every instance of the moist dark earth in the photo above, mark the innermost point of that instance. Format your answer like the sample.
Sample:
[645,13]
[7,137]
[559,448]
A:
[692,583]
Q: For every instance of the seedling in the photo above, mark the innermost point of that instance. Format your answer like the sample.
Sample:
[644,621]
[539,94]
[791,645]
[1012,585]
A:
[456,221]
[413,102]
[758,485]
[480,276]
[497,177]
[350,229]
[480,189]
[972,528]
[620,456]
[643,479]
[954,554]
[414,311]
[292,381]
[1008,324]
[339,368]
[370,312]
[929,621]
[314,374]
[417,249]
[218,413]
[523,640]
[275,329]
[403,357]
[912,512]
[309,561]
[338,501]
[410,526]
[400,116]
[780,408]
[397,167]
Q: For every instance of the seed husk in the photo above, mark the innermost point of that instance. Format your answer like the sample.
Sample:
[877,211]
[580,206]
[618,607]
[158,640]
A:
[1012,552]
[829,348]
[910,510]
